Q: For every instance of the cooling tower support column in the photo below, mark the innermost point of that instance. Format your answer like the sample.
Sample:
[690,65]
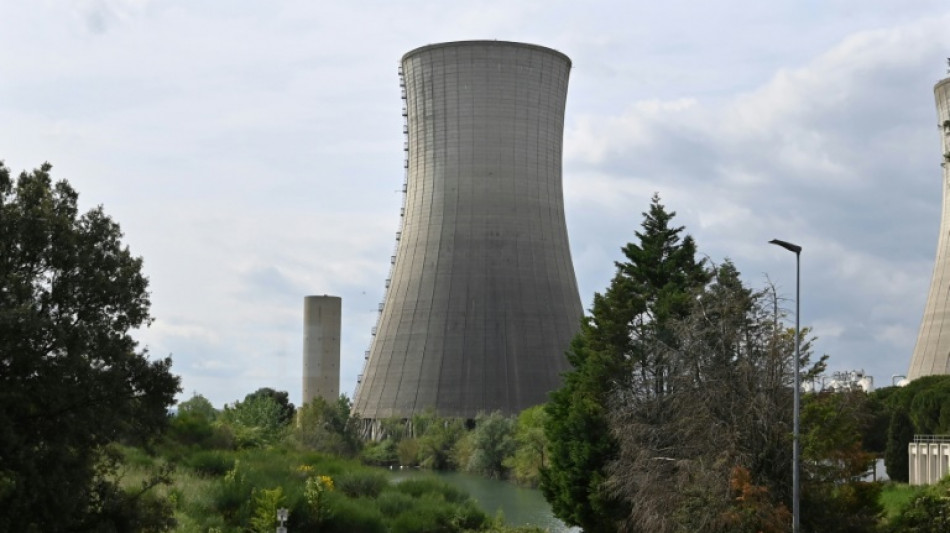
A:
[321,348]
[482,300]
[932,352]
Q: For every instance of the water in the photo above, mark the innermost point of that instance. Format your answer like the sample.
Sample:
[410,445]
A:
[520,506]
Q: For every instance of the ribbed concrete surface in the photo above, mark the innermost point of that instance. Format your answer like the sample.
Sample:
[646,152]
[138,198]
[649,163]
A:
[321,348]
[932,352]
[483,300]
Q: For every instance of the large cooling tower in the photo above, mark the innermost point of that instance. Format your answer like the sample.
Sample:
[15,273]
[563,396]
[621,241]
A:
[482,301]
[932,352]
[321,348]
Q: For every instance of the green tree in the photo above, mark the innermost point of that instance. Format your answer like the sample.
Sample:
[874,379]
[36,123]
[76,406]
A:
[281,398]
[195,425]
[532,446]
[492,444]
[257,421]
[329,428]
[833,462]
[899,434]
[72,378]
[713,452]
[437,440]
[266,503]
[624,337]
[926,512]
[198,406]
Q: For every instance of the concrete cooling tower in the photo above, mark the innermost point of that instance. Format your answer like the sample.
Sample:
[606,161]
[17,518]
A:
[321,348]
[932,352]
[482,300]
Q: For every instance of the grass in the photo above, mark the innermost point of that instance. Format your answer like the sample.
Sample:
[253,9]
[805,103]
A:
[894,496]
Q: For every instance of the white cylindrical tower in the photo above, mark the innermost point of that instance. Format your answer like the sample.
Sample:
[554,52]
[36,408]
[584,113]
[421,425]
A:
[932,352]
[321,348]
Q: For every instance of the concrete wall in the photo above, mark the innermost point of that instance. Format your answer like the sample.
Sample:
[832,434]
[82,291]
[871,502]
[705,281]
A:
[482,301]
[932,352]
[321,347]
[929,460]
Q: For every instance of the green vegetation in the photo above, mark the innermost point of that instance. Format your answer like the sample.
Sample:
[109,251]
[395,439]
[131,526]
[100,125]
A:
[675,417]
[920,509]
[320,491]
[72,379]
[895,497]
[619,341]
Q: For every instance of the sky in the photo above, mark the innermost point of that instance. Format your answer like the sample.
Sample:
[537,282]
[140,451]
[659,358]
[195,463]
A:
[252,153]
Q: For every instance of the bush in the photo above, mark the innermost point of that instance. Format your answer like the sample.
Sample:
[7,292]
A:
[382,453]
[407,452]
[352,516]
[359,484]
[430,514]
[391,503]
[210,462]
[431,486]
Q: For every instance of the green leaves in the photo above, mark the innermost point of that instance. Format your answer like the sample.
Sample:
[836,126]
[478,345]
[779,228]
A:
[622,344]
[71,377]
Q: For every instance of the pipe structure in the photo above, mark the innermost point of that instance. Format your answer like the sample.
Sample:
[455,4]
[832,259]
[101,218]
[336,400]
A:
[482,301]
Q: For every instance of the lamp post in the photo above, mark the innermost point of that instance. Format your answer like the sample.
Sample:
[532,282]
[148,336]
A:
[282,515]
[796,523]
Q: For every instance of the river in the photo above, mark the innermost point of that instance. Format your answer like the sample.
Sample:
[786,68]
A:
[520,506]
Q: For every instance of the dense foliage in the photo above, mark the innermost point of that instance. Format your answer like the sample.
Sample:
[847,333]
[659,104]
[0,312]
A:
[626,336]
[920,408]
[72,379]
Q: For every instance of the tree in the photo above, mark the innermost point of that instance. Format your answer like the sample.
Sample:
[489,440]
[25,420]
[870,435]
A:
[281,398]
[72,378]
[199,407]
[329,428]
[900,433]
[492,443]
[625,336]
[712,451]
[257,421]
[532,446]
[927,512]
[833,462]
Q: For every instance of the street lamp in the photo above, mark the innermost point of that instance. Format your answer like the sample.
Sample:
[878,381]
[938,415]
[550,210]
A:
[796,523]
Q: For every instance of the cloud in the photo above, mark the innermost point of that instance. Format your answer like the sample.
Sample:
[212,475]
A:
[808,156]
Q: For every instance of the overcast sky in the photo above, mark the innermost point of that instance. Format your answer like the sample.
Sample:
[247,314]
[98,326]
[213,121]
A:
[252,153]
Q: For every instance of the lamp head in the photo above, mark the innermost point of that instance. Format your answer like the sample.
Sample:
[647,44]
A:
[787,245]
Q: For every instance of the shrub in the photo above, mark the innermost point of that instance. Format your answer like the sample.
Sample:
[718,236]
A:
[431,514]
[358,484]
[407,451]
[352,516]
[210,462]
[391,503]
[431,486]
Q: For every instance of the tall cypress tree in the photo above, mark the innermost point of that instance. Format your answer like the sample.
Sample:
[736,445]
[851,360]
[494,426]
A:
[617,341]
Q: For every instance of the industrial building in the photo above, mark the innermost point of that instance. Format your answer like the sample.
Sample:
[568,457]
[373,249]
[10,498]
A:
[932,351]
[482,301]
[321,348]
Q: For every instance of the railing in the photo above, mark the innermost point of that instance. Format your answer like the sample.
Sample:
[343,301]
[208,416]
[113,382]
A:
[932,439]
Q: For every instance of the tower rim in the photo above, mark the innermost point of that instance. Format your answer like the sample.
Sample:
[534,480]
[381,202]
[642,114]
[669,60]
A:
[483,42]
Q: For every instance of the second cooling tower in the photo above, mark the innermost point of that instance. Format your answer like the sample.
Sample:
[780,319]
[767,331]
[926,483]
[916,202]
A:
[932,351]
[482,301]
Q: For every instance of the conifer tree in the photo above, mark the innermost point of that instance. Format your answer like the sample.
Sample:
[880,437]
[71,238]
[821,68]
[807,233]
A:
[620,339]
